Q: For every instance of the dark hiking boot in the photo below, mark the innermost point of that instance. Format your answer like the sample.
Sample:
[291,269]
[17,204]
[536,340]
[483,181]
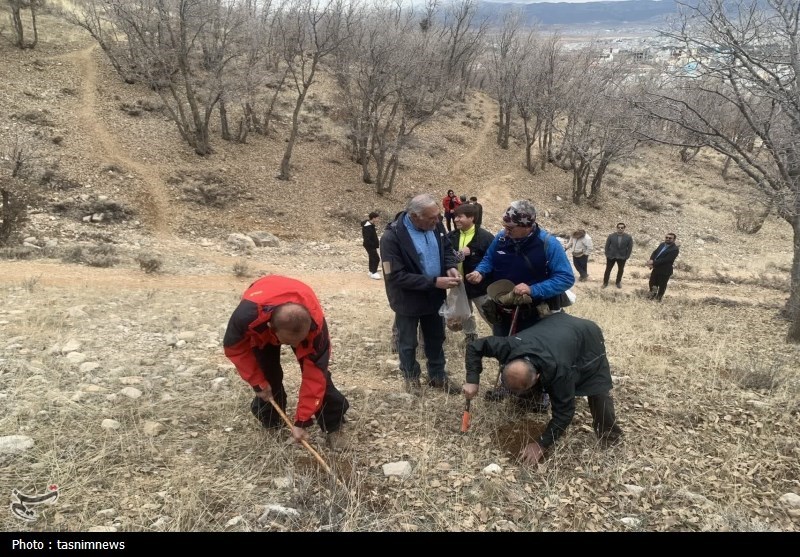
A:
[413,386]
[619,285]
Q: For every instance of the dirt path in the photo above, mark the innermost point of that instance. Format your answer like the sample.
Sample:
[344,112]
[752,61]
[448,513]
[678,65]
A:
[104,145]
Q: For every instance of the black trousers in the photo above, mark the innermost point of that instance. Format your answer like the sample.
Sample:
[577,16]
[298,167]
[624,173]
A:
[610,265]
[334,404]
[449,217]
[604,420]
[374,259]
[659,280]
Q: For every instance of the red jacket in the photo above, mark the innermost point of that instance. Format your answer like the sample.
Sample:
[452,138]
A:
[249,328]
[449,206]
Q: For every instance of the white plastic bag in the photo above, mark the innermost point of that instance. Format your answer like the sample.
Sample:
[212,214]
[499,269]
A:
[455,308]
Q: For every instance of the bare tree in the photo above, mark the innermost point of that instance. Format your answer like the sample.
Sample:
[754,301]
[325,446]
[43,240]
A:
[309,32]
[92,16]
[747,58]
[508,53]
[463,38]
[16,7]
[600,125]
[16,190]
[181,48]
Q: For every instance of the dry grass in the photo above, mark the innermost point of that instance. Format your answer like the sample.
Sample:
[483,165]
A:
[706,391]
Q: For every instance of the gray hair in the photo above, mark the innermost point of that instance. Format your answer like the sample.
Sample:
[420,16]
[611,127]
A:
[420,202]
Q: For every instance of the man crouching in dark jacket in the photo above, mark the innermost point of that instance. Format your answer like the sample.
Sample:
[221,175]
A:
[418,267]
[566,356]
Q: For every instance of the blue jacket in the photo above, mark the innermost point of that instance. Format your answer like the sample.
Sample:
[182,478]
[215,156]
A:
[410,292]
[545,268]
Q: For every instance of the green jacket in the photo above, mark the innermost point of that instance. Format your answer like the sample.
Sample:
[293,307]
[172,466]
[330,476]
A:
[570,355]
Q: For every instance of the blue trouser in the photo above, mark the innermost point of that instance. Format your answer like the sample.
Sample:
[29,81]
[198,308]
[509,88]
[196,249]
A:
[432,328]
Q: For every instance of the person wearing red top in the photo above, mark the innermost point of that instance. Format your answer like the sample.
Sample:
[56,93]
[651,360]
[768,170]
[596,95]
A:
[450,202]
[278,310]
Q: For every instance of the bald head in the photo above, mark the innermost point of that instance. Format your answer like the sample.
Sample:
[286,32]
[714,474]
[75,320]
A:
[519,375]
[291,323]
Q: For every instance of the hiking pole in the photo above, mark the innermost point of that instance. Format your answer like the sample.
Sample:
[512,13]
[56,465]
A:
[305,443]
[465,418]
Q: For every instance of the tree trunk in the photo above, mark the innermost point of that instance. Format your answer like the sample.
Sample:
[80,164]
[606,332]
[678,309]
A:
[598,179]
[726,167]
[16,19]
[5,225]
[223,119]
[35,30]
[287,155]
[793,304]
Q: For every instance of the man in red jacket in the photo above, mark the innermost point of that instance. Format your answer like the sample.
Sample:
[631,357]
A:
[273,311]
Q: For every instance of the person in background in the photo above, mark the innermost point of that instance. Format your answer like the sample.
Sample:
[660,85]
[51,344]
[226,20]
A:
[450,202]
[369,233]
[479,218]
[619,246]
[580,246]
[661,261]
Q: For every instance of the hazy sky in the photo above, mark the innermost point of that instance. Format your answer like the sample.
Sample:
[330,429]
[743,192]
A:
[549,1]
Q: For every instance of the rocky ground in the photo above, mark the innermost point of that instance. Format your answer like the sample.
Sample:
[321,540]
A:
[113,385]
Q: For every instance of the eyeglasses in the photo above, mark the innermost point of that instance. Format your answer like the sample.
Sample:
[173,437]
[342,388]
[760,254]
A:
[620,228]
[669,238]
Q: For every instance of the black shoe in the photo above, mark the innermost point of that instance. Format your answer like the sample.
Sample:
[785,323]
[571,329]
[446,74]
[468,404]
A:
[605,285]
[446,385]
[619,285]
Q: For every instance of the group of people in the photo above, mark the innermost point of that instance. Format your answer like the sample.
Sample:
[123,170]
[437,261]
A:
[451,202]
[618,249]
[542,351]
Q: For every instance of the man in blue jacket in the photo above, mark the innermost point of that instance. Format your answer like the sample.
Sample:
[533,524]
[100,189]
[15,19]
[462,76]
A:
[419,266]
[532,259]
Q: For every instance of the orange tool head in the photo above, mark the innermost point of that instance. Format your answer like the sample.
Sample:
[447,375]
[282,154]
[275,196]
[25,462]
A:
[465,418]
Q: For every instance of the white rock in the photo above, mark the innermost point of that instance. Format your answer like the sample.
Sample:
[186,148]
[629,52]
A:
[161,522]
[102,529]
[790,500]
[152,429]
[264,239]
[282,483]
[131,392]
[693,497]
[187,335]
[393,363]
[87,367]
[401,468]
[13,444]
[277,510]
[180,343]
[757,404]
[107,513]
[241,241]
[108,423]
[631,521]
[493,469]
[72,345]
[633,489]
[130,380]
[234,521]
[218,383]
[75,357]
[76,312]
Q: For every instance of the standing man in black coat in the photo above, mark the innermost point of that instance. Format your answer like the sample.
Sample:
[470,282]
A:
[370,234]
[479,217]
[565,356]
[418,267]
[661,261]
[470,243]
[619,246]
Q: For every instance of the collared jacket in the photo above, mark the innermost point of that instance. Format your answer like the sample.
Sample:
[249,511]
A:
[619,246]
[478,246]
[567,351]
[249,329]
[410,292]
[538,260]
[370,235]
[662,265]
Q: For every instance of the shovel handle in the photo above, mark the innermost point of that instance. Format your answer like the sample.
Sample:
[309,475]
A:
[305,443]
